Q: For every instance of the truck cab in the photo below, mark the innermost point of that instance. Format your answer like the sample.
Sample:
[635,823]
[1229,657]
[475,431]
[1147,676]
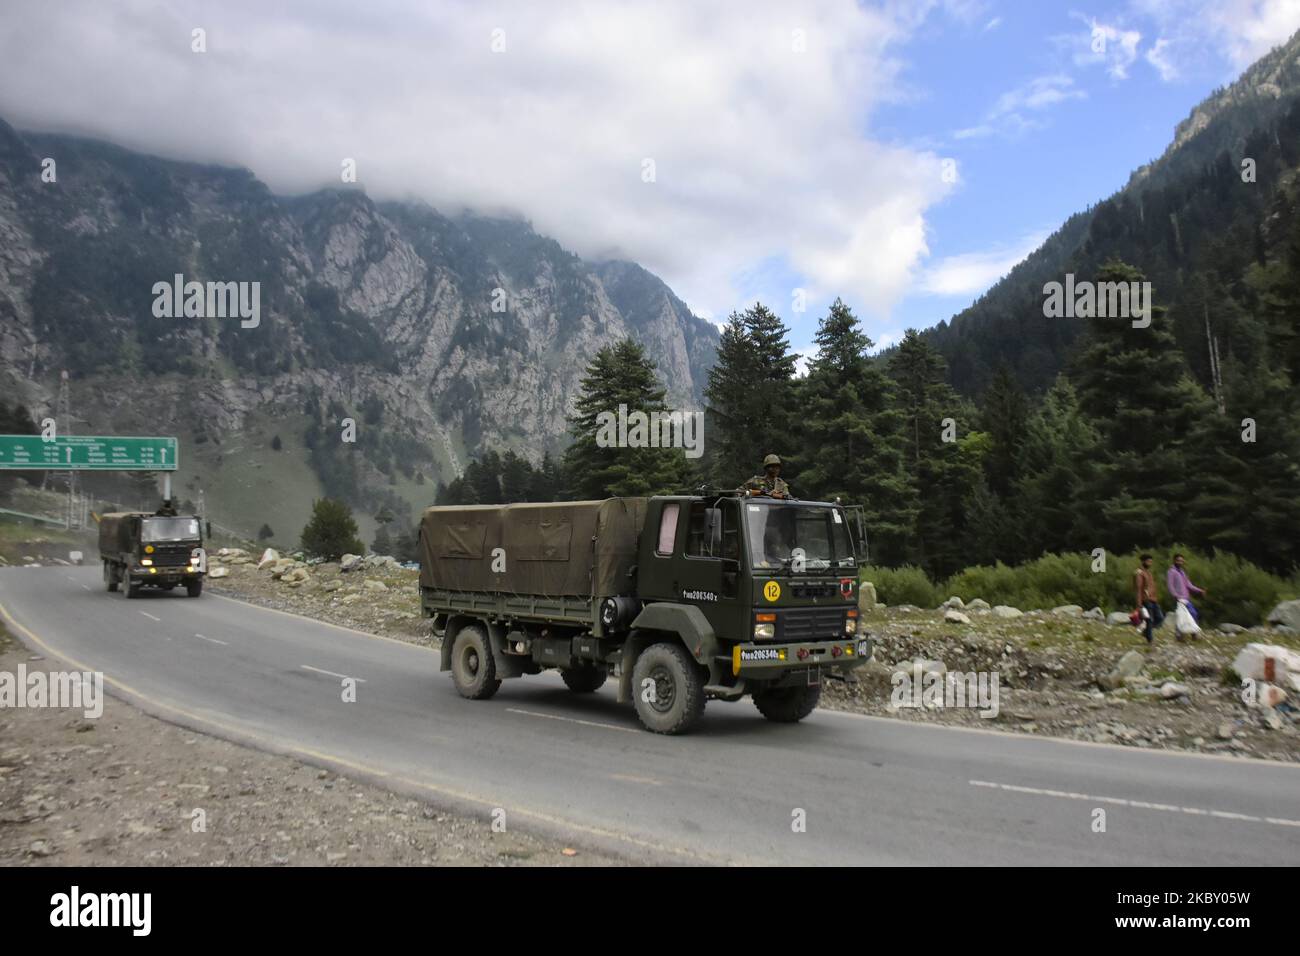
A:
[775,579]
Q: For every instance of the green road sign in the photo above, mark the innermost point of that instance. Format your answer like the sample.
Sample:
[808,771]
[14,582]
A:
[87,453]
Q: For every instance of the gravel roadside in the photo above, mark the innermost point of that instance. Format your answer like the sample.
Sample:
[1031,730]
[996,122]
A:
[123,790]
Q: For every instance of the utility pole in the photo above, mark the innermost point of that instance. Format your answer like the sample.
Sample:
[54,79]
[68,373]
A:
[64,425]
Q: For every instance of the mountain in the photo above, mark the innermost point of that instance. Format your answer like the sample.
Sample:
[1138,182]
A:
[1194,222]
[440,336]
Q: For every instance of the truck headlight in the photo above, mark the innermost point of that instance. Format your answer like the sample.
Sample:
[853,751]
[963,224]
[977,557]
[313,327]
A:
[764,632]
[146,562]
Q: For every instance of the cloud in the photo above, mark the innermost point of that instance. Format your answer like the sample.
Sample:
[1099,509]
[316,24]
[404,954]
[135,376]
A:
[971,273]
[1114,47]
[758,146]
[1008,114]
[1236,31]
[1159,59]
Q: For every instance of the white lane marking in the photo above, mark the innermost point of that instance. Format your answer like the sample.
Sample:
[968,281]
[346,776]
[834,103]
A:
[1137,804]
[85,587]
[1035,738]
[308,667]
[151,617]
[572,720]
[629,778]
[212,640]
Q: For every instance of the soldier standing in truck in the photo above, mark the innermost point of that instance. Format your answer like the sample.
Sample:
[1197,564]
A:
[770,482]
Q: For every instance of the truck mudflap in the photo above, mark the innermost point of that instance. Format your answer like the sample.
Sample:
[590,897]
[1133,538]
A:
[768,661]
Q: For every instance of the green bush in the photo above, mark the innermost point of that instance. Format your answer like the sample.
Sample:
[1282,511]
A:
[905,585]
[1238,591]
[332,531]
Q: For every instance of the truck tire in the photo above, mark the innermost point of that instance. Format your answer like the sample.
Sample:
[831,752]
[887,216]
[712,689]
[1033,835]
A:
[473,669]
[677,700]
[132,587]
[787,705]
[110,576]
[584,679]
[194,588]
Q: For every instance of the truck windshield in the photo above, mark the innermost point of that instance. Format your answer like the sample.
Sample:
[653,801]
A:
[169,529]
[781,534]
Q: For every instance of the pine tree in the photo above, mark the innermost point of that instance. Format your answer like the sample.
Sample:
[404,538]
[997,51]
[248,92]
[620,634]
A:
[852,435]
[942,472]
[1004,415]
[332,531]
[1135,385]
[1055,496]
[516,478]
[750,397]
[619,375]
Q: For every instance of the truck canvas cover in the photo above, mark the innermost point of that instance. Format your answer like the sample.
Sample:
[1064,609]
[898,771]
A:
[115,532]
[572,548]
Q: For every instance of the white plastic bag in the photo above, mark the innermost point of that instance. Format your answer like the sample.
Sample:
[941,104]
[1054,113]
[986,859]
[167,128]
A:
[1184,623]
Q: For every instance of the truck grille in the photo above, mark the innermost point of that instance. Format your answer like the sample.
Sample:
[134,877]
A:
[170,556]
[812,623]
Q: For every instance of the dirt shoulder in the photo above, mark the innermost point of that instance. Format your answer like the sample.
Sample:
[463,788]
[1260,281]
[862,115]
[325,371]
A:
[122,790]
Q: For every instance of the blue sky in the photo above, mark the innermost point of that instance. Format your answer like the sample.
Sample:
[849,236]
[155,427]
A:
[1039,126]
[740,149]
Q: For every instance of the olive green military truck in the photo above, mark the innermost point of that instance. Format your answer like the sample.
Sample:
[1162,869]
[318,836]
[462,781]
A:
[681,599]
[161,550]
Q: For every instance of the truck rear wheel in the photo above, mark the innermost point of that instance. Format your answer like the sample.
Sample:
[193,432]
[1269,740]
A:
[584,679]
[473,669]
[787,705]
[110,576]
[667,689]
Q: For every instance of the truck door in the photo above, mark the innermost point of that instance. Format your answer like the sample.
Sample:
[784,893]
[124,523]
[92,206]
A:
[708,565]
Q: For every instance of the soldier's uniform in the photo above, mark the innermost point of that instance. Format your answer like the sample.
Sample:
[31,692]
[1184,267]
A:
[766,484]
[761,484]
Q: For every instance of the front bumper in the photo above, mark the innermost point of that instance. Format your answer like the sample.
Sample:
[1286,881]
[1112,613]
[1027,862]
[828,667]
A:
[165,575]
[770,660]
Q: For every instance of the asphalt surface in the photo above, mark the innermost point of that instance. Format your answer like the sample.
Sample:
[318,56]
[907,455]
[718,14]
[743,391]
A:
[871,790]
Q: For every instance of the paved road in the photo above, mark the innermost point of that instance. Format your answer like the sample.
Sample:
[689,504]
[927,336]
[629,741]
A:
[874,791]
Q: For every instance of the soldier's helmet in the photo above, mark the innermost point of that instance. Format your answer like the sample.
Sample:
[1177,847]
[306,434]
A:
[771,460]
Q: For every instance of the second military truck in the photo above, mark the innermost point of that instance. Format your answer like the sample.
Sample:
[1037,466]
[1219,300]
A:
[161,550]
[681,598]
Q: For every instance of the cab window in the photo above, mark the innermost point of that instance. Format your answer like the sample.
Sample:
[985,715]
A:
[668,529]
[713,531]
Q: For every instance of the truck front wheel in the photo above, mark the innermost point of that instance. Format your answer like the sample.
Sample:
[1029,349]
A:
[194,587]
[787,705]
[584,679]
[473,669]
[667,689]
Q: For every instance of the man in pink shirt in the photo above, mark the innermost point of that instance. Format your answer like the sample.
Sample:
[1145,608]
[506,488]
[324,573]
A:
[1181,587]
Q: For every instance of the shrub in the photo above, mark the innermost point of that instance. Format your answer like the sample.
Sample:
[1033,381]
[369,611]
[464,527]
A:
[905,585]
[332,531]
[1239,591]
